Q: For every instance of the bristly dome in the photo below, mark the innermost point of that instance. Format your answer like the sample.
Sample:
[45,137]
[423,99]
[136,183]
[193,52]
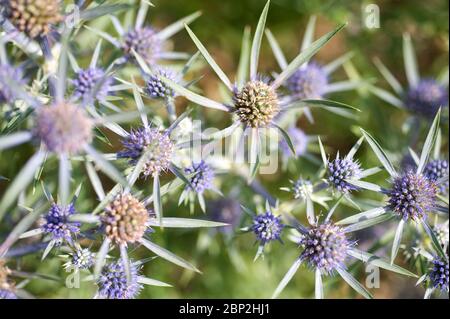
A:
[267,227]
[412,196]
[156,88]
[9,76]
[33,17]
[202,177]
[145,42]
[301,188]
[256,104]
[308,82]
[340,170]
[299,139]
[439,274]
[325,247]
[56,223]
[426,98]
[435,170]
[82,258]
[143,139]
[125,219]
[113,284]
[63,128]
[91,84]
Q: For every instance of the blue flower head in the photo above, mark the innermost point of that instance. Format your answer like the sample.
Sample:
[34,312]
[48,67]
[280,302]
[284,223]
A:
[145,42]
[9,76]
[202,177]
[426,98]
[267,227]
[308,82]
[156,88]
[57,224]
[439,274]
[113,284]
[82,258]
[325,247]
[342,169]
[435,170]
[89,80]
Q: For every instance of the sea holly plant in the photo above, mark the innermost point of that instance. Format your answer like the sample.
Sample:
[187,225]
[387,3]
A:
[255,101]
[311,80]
[411,195]
[146,41]
[423,96]
[326,248]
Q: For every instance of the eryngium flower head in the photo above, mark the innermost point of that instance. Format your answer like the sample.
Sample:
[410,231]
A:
[160,157]
[145,42]
[301,188]
[92,84]
[125,219]
[113,284]
[267,227]
[308,82]
[33,17]
[56,223]
[325,247]
[439,274]
[426,98]
[202,176]
[436,170]
[298,138]
[412,196]
[256,104]
[9,76]
[82,258]
[342,169]
[63,128]
[156,88]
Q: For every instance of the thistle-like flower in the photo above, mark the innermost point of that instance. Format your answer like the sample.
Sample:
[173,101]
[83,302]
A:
[156,88]
[309,82]
[436,170]
[325,247]
[9,76]
[114,284]
[423,96]
[125,220]
[63,128]
[302,188]
[439,274]
[202,177]
[92,83]
[33,17]
[340,170]
[56,223]
[426,97]
[412,196]
[145,42]
[267,227]
[155,145]
[80,258]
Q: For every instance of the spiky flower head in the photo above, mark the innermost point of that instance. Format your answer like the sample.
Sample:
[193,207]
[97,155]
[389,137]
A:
[439,274]
[92,83]
[301,188]
[412,196]
[325,247]
[426,98]
[64,128]
[6,286]
[436,170]
[145,42]
[125,219]
[81,258]
[342,169]
[202,176]
[308,82]
[33,17]
[113,284]
[156,88]
[299,140]
[256,104]
[56,223]
[267,227]
[9,76]
[159,145]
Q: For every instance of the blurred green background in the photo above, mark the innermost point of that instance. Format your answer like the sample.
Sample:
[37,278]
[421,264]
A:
[227,263]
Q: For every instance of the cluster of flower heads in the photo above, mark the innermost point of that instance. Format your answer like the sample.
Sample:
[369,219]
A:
[67,112]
